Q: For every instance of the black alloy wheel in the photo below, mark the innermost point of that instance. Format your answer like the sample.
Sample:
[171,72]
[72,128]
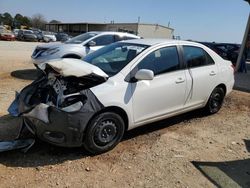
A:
[215,101]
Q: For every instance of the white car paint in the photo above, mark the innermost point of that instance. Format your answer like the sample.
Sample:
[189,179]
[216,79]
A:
[73,67]
[49,38]
[167,94]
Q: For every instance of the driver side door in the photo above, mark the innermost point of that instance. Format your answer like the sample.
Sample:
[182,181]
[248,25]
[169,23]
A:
[155,99]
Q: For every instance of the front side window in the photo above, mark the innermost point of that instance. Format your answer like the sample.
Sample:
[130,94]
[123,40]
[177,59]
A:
[113,58]
[161,61]
[104,40]
[196,57]
[81,38]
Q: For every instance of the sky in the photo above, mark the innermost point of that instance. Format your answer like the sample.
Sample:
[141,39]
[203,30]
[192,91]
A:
[201,20]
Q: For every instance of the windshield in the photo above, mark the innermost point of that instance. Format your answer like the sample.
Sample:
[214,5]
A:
[113,58]
[81,38]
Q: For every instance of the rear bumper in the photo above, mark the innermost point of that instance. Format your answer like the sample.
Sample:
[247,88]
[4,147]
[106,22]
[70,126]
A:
[230,86]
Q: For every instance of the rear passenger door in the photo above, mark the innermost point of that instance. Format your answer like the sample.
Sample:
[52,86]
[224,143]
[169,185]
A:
[201,74]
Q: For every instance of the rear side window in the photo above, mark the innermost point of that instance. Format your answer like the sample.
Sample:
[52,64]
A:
[161,61]
[119,38]
[196,57]
[104,40]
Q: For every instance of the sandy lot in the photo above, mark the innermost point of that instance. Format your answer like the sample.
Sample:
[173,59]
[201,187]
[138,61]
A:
[190,150]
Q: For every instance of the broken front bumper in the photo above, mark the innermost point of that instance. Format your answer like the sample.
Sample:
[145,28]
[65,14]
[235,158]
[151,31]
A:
[63,129]
[58,126]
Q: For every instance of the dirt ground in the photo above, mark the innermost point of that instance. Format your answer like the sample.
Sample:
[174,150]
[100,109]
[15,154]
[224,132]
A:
[190,150]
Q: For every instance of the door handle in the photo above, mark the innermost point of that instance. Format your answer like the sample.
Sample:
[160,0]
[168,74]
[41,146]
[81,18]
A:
[212,73]
[179,80]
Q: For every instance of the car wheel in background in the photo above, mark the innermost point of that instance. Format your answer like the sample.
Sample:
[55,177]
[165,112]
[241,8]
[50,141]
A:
[103,133]
[215,101]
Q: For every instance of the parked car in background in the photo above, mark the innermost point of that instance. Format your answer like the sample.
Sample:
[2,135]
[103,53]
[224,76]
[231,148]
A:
[79,46]
[120,87]
[225,50]
[49,36]
[15,31]
[62,37]
[39,35]
[6,34]
[26,35]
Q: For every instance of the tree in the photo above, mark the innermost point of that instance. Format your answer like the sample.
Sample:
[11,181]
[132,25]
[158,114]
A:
[55,22]
[21,20]
[18,17]
[7,19]
[26,21]
[1,19]
[247,1]
[38,21]
[18,21]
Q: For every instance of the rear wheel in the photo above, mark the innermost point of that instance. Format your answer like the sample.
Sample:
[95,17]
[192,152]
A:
[215,101]
[103,133]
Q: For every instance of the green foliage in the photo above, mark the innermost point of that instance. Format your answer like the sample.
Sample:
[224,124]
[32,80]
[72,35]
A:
[37,21]
[7,19]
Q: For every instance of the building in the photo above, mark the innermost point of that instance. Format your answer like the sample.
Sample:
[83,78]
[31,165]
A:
[141,29]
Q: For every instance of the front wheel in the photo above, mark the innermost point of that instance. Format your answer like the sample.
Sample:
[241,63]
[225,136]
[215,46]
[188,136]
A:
[215,101]
[104,132]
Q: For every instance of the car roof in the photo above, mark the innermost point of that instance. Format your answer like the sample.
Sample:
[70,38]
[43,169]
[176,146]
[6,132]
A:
[113,32]
[152,42]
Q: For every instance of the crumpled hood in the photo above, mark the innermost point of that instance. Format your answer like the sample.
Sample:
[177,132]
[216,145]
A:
[73,67]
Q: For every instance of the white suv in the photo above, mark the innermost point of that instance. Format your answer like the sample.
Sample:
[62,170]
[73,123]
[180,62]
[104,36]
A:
[119,87]
[79,46]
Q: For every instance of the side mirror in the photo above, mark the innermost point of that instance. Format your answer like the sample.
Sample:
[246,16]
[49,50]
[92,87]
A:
[91,43]
[144,74]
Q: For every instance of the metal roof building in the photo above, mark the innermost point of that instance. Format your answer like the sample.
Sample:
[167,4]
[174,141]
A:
[141,29]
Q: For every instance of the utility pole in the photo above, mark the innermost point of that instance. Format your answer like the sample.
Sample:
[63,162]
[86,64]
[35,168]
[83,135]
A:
[244,42]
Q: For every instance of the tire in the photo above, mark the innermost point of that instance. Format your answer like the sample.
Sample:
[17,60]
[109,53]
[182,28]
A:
[215,101]
[103,133]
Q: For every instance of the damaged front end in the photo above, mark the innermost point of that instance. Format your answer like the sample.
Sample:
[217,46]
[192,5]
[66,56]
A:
[57,107]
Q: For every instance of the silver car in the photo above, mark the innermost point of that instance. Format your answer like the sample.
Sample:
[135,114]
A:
[79,46]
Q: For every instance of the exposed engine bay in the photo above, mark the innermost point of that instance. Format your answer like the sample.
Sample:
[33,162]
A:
[57,106]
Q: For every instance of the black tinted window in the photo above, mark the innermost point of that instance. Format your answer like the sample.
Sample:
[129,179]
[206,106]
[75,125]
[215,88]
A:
[161,61]
[104,40]
[195,57]
[119,38]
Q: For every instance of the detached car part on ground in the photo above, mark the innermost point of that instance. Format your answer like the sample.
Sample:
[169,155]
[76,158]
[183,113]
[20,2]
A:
[120,87]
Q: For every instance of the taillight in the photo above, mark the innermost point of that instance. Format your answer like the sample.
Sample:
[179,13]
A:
[234,68]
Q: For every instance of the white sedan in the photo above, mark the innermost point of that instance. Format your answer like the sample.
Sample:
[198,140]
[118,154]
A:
[119,87]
